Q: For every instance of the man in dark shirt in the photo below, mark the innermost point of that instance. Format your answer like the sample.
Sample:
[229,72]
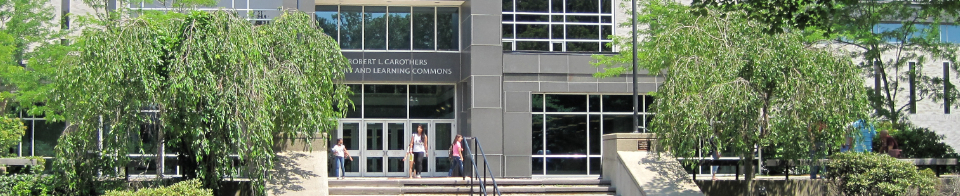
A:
[889,145]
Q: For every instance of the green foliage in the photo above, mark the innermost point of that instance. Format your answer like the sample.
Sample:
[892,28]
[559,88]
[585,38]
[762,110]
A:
[27,62]
[11,131]
[26,184]
[189,187]
[221,86]
[920,142]
[729,80]
[883,51]
[876,174]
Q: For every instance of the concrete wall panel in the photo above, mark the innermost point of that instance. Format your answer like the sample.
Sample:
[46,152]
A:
[517,101]
[486,92]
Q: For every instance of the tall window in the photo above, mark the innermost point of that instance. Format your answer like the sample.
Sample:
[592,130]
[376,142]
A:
[391,27]
[946,87]
[39,138]
[913,87]
[557,25]
[567,129]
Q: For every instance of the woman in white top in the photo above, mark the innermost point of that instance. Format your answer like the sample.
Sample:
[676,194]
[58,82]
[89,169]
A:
[418,145]
[339,151]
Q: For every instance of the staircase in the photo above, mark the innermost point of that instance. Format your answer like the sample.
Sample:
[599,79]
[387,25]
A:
[458,186]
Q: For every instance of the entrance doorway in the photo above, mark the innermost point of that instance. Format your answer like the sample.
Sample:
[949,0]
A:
[379,146]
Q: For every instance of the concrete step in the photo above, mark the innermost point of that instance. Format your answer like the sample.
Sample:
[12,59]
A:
[457,181]
[458,186]
[516,194]
[354,190]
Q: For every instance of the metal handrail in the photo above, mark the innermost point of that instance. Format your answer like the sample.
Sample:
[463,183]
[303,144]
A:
[476,172]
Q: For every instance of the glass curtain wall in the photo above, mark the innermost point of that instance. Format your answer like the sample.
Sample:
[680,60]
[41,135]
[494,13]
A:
[567,129]
[402,28]
[557,25]
[387,101]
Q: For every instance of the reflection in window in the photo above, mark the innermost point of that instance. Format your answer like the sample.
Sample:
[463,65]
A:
[375,28]
[566,166]
[618,103]
[532,31]
[327,19]
[351,136]
[557,25]
[385,101]
[533,45]
[532,5]
[583,6]
[374,164]
[395,136]
[26,142]
[566,134]
[391,27]
[394,101]
[617,124]
[423,28]
[375,136]
[594,134]
[354,112]
[569,130]
[444,136]
[431,101]
[399,27]
[351,34]
[537,130]
[566,103]
[45,137]
[447,28]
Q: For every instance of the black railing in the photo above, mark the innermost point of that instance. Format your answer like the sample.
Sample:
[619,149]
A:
[476,172]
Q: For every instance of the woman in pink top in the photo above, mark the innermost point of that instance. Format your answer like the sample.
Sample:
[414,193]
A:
[455,151]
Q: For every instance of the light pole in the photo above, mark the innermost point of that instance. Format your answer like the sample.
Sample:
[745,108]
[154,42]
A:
[636,97]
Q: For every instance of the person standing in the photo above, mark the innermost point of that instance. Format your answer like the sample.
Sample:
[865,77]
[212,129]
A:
[456,154]
[418,145]
[339,151]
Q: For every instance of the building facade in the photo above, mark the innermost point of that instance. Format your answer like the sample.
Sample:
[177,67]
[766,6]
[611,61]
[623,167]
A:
[515,74]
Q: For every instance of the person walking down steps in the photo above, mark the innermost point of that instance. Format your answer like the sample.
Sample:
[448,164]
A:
[339,151]
[456,169]
[418,146]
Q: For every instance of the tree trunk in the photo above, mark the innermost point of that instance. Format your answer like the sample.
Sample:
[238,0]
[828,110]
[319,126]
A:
[748,174]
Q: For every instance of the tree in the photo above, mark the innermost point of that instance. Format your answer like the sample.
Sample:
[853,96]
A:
[728,80]
[218,89]
[30,48]
[885,36]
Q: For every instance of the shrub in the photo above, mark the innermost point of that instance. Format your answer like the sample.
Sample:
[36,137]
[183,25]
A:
[917,142]
[189,187]
[11,131]
[26,184]
[876,174]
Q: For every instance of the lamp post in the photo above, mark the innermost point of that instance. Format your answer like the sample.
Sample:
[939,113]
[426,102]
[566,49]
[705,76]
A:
[636,97]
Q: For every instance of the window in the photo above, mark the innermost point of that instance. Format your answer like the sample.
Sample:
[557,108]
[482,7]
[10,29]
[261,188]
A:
[39,139]
[557,25]
[913,87]
[402,101]
[391,27]
[566,129]
[946,87]
[948,33]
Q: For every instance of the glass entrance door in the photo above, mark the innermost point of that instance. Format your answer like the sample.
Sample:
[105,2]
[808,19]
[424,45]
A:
[379,146]
[383,148]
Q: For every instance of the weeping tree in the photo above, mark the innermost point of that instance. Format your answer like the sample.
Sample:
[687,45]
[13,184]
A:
[728,80]
[218,90]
